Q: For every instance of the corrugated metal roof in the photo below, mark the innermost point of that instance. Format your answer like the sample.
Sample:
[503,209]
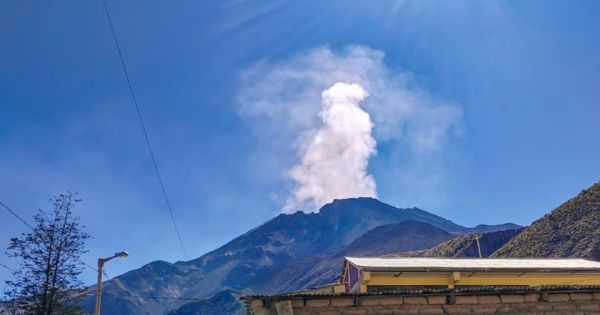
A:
[449,264]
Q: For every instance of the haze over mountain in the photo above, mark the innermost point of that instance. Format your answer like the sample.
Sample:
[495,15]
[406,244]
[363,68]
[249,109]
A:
[248,262]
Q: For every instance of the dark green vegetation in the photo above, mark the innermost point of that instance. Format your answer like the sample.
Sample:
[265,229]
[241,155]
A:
[571,230]
[289,252]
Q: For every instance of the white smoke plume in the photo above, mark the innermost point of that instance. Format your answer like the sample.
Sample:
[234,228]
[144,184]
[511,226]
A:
[334,164]
[298,136]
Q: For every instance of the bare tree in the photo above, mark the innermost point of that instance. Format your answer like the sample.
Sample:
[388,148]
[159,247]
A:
[46,281]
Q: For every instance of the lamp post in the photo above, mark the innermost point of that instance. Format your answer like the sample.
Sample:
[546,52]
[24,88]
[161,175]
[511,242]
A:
[101,262]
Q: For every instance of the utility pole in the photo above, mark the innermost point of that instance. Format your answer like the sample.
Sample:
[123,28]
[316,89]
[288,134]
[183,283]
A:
[99,286]
[478,246]
[101,262]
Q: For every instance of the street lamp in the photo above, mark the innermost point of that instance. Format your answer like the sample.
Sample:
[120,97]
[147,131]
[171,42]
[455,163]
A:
[101,262]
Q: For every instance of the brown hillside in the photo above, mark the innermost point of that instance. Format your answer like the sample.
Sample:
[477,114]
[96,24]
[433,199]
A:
[466,245]
[571,230]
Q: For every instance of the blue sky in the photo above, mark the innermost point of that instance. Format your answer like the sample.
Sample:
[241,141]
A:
[523,75]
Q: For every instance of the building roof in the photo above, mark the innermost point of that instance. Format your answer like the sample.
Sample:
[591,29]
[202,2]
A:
[484,290]
[472,264]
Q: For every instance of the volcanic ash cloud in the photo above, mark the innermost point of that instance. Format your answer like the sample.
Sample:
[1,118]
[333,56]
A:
[336,155]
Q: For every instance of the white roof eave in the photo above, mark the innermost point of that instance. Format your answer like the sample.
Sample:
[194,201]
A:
[472,264]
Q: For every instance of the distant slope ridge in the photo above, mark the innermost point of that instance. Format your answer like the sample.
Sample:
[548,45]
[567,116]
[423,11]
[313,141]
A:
[224,302]
[571,230]
[394,238]
[466,245]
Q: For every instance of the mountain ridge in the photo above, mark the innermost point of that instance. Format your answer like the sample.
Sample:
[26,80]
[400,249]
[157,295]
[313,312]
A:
[318,270]
[157,287]
[466,245]
[570,230]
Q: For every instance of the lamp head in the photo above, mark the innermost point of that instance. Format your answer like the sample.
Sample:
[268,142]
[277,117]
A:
[122,254]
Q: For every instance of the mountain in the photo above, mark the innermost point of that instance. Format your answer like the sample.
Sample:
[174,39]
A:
[159,287]
[481,228]
[396,238]
[224,302]
[318,270]
[571,230]
[466,245]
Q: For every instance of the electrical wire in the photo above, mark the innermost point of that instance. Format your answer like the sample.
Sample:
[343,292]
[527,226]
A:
[162,297]
[11,211]
[7,267]
[14,213]
[95,269]
[143,126]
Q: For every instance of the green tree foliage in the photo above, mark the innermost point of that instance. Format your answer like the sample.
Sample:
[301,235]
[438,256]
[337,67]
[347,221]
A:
[46,281]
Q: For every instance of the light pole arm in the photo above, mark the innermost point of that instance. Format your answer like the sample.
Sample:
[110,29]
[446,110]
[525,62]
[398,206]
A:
[104,260]
[101,262]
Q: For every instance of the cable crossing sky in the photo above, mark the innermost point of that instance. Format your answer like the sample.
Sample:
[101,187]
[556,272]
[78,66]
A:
[18,217]
[143,126]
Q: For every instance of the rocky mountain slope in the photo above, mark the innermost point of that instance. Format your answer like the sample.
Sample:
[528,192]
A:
[466,245]
[318,270]
[224,302]
[160,287]
[394,238]
[571,230]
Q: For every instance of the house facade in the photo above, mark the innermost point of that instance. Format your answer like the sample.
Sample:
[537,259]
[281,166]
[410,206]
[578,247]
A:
[382,285]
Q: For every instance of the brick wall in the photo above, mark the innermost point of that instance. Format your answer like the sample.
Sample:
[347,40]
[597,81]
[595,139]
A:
[517,303]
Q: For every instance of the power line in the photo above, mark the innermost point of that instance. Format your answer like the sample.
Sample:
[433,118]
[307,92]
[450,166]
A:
[7,267]
[139,114]
[160,297]
[95,269]
[179,298]
[175,298]
[14,213]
